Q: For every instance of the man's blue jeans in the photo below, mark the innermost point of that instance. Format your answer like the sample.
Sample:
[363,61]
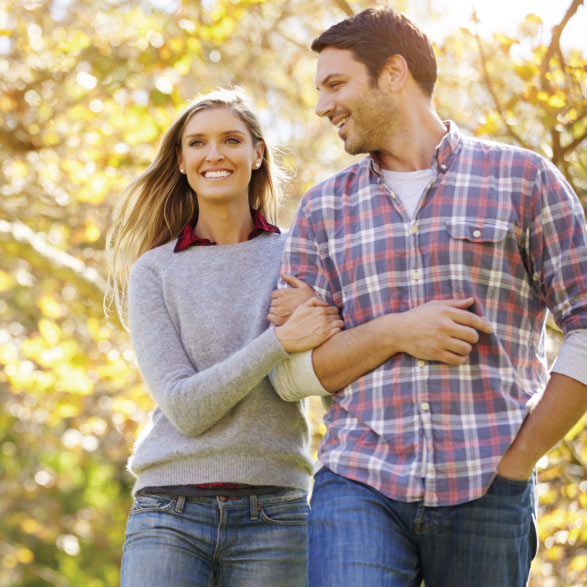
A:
[244,542]
[358,537]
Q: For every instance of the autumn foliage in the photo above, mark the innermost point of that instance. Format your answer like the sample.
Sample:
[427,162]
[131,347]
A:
[86,89]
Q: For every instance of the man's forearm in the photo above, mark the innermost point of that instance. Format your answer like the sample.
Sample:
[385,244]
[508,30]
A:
[564,401]
[351,353]
[436,331]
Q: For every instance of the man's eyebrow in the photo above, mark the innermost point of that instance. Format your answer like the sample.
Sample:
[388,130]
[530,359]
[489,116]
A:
[327,79]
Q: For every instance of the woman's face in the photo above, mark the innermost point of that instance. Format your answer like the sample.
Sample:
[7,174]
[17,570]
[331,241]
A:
[218,155]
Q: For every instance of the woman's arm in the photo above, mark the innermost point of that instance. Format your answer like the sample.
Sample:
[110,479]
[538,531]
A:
[192,400]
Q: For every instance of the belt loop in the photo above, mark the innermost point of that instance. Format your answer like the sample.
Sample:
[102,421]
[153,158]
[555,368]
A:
[179,505]
[254,510]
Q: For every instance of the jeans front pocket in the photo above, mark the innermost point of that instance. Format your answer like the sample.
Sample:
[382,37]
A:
[508,487]
[285,513]
[152,502]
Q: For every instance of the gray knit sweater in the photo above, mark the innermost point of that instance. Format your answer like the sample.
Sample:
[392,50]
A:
[199,329]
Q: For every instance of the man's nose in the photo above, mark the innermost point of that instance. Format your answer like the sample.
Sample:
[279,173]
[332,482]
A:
[324,105]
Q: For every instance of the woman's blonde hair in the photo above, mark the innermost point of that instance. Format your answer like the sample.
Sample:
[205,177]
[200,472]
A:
[157,206]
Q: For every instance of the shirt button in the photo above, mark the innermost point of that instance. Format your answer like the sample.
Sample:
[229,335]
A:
[476,233]
[425,406]
[393,196]
[415,276]
[421,363]
[414,229]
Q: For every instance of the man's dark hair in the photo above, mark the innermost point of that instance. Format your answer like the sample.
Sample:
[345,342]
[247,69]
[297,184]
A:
[376,34]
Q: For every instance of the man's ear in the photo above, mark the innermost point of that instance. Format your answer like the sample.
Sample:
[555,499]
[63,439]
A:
[394,74]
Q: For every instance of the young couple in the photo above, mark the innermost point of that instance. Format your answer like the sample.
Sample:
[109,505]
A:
[441,254]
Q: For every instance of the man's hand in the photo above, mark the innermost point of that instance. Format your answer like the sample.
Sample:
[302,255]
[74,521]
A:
[562,404]
[285,301]
[442,331]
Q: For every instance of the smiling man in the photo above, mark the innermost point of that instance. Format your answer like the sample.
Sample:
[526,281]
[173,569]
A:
[426,470]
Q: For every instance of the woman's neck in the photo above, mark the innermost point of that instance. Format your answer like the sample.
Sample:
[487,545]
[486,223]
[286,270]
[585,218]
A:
[224,225]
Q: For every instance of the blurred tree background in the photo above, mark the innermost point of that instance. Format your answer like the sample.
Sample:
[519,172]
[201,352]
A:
[86,89]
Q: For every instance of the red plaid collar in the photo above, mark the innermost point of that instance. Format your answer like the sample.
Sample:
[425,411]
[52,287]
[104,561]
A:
[188,238]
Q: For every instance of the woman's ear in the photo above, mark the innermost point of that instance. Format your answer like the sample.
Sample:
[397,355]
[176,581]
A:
[259,153]
[180,160]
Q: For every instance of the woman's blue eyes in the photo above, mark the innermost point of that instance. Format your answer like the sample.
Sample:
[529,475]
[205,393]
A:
[230,141]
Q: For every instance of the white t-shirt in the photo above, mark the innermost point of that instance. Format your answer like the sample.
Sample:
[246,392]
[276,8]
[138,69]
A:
[408,186]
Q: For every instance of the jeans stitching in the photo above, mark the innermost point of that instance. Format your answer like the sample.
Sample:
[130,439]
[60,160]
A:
[269,520]
[138,509]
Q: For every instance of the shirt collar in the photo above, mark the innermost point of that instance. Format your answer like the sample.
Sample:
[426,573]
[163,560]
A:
[188,238]
[444,154]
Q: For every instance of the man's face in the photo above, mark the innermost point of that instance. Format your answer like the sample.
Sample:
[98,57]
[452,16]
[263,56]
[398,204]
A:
[362,112]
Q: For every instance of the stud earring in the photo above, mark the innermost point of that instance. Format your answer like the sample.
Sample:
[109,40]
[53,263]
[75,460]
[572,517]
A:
[181,170]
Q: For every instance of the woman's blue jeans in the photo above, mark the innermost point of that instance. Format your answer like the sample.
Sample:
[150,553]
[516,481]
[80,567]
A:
[358,537]
[246,542]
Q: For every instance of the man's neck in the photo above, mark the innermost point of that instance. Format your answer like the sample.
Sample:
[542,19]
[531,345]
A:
[412,147]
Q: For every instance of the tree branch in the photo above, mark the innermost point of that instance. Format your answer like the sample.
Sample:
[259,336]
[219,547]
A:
[344,6]
[491,90]
[39,253]
[554,47]
[574,143]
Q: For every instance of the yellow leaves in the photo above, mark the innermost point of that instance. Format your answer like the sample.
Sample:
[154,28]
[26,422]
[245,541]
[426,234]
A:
[176,45]
[66,410]
[554,101]
[17,170]
[74,42]
[30,526]
[579,563]
[526,71]
[139,126]
[194,46]
[72,379]
[20,555]
[95,189]
[576,429]
[533,19]
[8,354]
[50,306]
[183,65]
[6,281]
[7,104]
[555,553]
[489,124]
[97,330]
[92,231]
[50,331]
[76,170]
[505,41]
[557,101]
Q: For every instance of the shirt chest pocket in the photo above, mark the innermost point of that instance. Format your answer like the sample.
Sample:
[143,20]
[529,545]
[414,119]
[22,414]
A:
[479,250]
[477,232]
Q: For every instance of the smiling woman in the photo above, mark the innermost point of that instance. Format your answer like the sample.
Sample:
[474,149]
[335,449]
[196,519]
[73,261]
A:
[218,155]
[197,229]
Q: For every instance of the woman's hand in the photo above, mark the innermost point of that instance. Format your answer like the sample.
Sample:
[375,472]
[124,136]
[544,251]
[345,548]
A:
[311,324]
[285,301]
